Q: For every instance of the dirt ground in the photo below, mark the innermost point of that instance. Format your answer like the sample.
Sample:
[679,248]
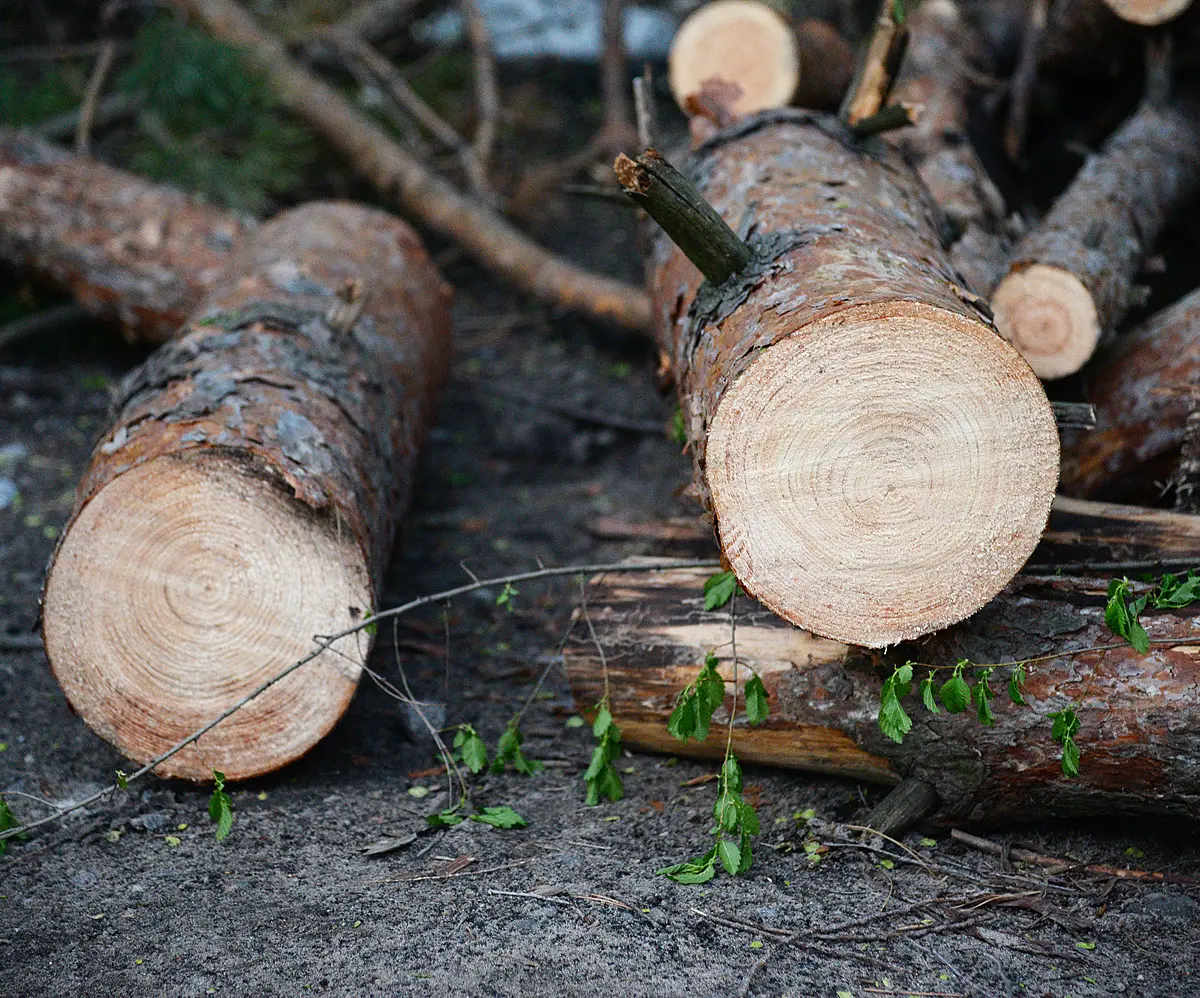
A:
[135,897]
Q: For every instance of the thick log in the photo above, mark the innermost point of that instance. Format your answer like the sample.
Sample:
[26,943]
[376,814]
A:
[127,250]
[1139,715]
[851,415]
[1071,279]
[1148,12]
[1141,390]
[246,495]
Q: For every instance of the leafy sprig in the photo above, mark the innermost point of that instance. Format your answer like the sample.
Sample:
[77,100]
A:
[470,749]
[696,703]
[601,777]
[508,752]
[220,806]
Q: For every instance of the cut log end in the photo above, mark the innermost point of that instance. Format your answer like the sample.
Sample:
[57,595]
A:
[1147,12]
[743,42]
[185,584]
[1047,314]
[869,485]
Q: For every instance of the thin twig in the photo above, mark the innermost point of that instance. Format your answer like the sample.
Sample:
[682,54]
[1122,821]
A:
[643,105]
[55,53]
[487,93]
[324,642]
[46,321]
[91,97]
[877,69]
[614,80]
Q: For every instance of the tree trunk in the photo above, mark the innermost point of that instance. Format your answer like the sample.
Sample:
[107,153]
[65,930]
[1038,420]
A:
[1148,12]
[944,60]
[246,496]
[1141,392]
[1139,715]
[1071,279]
[878,461]
[127,250]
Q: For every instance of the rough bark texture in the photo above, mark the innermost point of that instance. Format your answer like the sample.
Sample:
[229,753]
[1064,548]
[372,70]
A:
[1139,715]
[314,420]
[844,235]
[127,250]
[1140,390]
[403,180]
[944,60]
[1101,229]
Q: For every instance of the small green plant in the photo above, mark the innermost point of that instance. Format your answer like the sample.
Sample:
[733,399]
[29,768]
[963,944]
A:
[677,431]
[508,752]
[470,749]
[506,595]
[1123,610]
[602,778]
[1066,725]
[696,703]
[7,821]
[220,806]
[498,817]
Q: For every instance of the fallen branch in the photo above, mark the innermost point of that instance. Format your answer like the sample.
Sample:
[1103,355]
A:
[487,92]
[402,179]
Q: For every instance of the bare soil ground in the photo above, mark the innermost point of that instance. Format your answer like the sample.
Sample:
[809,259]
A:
[136,898]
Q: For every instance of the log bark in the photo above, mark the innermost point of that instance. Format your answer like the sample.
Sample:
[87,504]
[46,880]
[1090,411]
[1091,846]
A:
[1071,279]
[848,408]
[129,251]
[1139,715]
[942,66]
[1141,392]
[246,495]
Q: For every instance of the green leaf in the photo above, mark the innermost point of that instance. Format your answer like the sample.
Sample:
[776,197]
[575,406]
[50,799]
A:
[508,752]
[506,595]
[747,851]
[983,698]
[220,806]
[893,721]
[927,697]
[1070,757]
[749,819]
[727,812]
[693,871]
[677,433]
[1176,593]
[1015,682]
[1121,615]
[472,749]
[955,694]
[7,821]
[682,722]
[1066,724]
[730,856]
[371,627]
[603,720]
[500,817]
[731,774]
[719,590]
[756,700]
[1086,946]
[122,779]
[444,819]
[609,785]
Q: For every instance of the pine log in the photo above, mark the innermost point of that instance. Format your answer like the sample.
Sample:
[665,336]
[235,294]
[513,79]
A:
[772,62]
[246,495]
[129,251]
[1139,715]
[1071,279]
[1141,391]
[941,69]
[878,461]
[1148,12]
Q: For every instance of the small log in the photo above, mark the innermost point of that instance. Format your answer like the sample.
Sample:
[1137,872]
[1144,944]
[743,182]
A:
[1071,279]
[127,250]
[1139,715]
[878,461]
[246,495]
[1141,392]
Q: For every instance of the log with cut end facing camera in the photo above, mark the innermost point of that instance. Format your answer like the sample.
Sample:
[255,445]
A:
[1071,280]
[879,463]
[1138,715]
[245,497]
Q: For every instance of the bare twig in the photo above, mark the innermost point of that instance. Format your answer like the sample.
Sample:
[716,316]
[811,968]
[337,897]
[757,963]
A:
[57,53]
[46,321]
[91,97]
[405,181]
[375,20]
[326,641]
[868,91]
[614,79]
[108,111]
[643,103]
[487,93]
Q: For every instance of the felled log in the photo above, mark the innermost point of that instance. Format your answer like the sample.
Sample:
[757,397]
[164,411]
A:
[879,463]
[1141,391]
[772,63]
[1139,715]
[1148,12]
[1071,279]
[129,251]
[245,496]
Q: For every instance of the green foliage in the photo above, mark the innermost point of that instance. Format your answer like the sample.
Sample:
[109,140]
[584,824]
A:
[7,821]
[735,823]
[983,696]
[893,721]
[470,749]
[719,590]
[447,818]
[122,779]
[1066,726]
[25,101]
[499,817]
[1016,683]
[927,694]
[220,806]
[506,595]
[695,705]
[1121,614]
[602,778]
[677,431]
[955,694]
[508,752]
[209,122]
[755,693]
